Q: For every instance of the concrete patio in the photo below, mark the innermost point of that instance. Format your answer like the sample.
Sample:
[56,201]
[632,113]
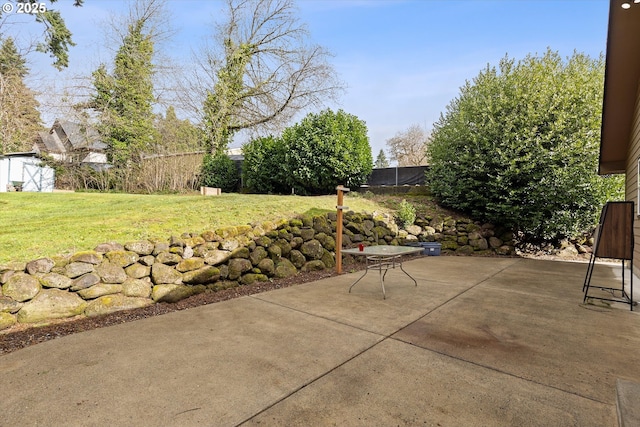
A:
[479,342]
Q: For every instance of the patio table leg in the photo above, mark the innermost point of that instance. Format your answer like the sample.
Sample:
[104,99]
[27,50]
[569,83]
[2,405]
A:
[366,270]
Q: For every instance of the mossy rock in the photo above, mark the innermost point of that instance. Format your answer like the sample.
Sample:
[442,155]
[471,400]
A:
[263,241]
[216,257]
[295,222]
[13,266]
[160,247]
[111,273]
[8,305]
[479,244]
[321,225]
[209,236]
[505,250]
[194,241]
[241,252]
[312,249]
[99,290]
[223,284]
[238,266]
[284,269]
[449,245]
[88,257]
[141,247]
[284,234]
[21,287]
[137,288]
[51,304]
[40,266]
[123,258]
[7,320]
[285,247]
[244,229]
[85,281]
[177,250]
[227,232]
[55,280]
[267,266]
[168,258]
[315,265]
[297,258]
[465,250]
[138,271]
[296,242]
[203,275]
[257,255]
[307,233]
[354,227]
[463,240]
[307,221]
[170,293]
[190,264]
[282,223]
[328,259]
[251,278]
[162,274]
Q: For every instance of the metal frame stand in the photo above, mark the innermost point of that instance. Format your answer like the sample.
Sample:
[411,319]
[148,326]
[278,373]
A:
[381,263]
[625,298]
[614,239]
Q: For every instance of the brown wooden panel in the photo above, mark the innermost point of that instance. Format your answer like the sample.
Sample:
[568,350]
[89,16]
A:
[615,236]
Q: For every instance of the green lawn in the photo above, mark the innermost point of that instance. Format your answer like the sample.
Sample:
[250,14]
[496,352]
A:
[35,225]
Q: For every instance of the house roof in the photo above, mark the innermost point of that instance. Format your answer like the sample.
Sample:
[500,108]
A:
[78,136]
[622,74]
[81,136]
[49,143]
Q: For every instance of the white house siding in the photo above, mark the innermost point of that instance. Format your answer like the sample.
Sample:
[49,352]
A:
[93,157]
[27,170]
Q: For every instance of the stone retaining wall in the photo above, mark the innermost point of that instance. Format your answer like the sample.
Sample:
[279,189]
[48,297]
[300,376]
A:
[116,277]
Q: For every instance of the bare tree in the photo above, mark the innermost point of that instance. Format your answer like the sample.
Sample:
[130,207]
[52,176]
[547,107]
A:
[261,71]
[409,148]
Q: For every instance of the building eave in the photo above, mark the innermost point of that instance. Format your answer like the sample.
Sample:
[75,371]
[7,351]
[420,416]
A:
[622,73]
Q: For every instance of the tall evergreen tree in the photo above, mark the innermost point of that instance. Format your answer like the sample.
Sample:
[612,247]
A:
[19,116]
[381,160]
[177,136]
[56,36]
[125,99]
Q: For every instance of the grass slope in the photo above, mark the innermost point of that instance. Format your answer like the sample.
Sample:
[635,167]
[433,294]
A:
[35,225]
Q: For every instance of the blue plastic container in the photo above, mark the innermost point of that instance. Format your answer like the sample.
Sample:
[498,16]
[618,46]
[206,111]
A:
[431,248]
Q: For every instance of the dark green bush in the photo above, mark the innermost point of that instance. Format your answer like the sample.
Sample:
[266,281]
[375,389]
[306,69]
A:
[219,171]
[263,168]
[519,146]
[314,156]
[325,150]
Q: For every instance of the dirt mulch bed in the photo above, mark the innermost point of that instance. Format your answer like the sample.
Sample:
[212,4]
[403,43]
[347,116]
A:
[21,336]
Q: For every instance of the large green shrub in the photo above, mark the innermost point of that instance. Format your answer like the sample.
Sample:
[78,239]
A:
[325,150]
[314,156]
[519,146]
[219,171]
[263,167]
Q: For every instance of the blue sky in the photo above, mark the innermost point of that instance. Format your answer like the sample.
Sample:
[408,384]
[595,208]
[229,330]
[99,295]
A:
[402,61]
